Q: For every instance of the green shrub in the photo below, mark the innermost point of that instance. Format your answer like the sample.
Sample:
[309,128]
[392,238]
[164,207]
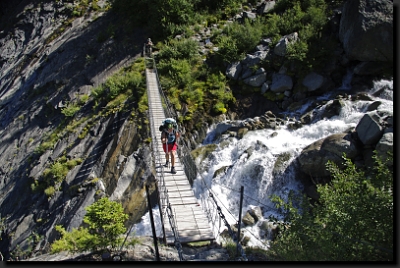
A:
[246,36]
[49,191]
[297,51]
[219,108]
[58,171]
[70,110]
[179,49]
[352,221]
[105,220]
[228,51]
[78,240]
[231,247]
[83,99]
[291,20]
[179,71]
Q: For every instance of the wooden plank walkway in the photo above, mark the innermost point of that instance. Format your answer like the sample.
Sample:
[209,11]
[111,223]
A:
[191,222]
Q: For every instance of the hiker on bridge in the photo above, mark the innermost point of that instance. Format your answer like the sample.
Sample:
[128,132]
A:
[169,138]
[148,47]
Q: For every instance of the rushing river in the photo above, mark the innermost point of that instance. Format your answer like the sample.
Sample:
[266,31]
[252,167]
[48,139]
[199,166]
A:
[250,163]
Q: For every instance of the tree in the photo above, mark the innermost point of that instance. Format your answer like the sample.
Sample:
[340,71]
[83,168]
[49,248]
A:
[105,220]
[352,221]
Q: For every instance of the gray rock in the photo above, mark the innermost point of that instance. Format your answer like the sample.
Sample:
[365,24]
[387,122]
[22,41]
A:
[313,81]
[369,129]
[264,87]
[266,7]
[256,80]
[248,220]
[314,157]
[256,213]
[366,30]
[233,71]
[281,83]
[281,46]
[385,145]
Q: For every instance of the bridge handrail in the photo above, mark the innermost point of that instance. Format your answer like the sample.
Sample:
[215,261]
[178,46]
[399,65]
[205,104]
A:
[189,166]
[163,193]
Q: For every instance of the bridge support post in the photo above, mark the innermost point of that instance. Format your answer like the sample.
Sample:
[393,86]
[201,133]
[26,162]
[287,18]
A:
[161,215]
[240,219]
[152,224]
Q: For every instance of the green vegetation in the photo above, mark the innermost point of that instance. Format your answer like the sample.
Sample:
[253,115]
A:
[105,227]
[54,175]
[231,247]
[183,74]
[352,221]
[70,110]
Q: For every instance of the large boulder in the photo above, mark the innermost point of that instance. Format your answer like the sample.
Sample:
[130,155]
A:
[281,83]
[313,81]
[366,30]
[369,128]
[314,157]
[266,6]
[257,79]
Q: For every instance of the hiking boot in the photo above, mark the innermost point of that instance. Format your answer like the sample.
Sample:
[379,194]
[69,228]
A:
[173,171]
[166,164]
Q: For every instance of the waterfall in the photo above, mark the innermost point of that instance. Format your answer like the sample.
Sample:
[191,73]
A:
[347,80]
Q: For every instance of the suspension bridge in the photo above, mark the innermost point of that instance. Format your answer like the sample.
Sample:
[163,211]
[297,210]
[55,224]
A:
[182,216]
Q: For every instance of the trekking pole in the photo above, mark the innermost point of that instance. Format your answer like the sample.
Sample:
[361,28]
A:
[166,146]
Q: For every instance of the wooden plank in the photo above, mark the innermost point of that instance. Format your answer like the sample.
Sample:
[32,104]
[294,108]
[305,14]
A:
[171,184]
[205,232]
[179,188]
[183,200]
[176,194]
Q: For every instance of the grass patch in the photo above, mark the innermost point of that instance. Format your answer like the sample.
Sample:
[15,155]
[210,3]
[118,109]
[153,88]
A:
[199,244]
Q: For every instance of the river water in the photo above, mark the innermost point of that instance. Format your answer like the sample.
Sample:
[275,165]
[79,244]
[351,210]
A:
[250,164]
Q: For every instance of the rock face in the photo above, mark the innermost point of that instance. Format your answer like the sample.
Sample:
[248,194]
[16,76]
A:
[366,30]
[39,75]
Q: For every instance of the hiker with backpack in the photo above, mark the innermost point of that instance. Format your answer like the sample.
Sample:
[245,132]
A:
[148,47]
[169,139]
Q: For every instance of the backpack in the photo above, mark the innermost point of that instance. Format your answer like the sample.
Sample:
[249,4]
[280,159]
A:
[164,126]
[166,122]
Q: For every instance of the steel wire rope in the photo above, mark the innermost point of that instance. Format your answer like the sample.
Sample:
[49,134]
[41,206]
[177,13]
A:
[248,230]
[222,216]
[248,197]
[209,189]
